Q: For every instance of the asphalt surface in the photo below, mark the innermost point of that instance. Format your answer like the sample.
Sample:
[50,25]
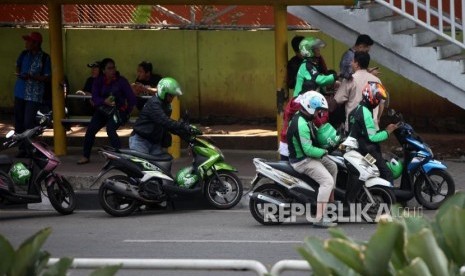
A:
[200,234]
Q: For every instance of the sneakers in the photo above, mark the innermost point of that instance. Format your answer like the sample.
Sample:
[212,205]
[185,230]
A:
[324,223]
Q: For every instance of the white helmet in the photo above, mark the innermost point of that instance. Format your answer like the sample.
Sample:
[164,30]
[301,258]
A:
[310,101]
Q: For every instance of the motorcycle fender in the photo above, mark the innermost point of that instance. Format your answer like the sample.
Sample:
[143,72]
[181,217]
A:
[223,166]
[434,164]
[377,181]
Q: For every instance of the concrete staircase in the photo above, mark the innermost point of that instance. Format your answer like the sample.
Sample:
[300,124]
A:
[414,39]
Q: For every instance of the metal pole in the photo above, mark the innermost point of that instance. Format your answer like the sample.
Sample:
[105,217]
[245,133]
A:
[175,149]
[296,265]
[280,38]
[56,54]
[170,264]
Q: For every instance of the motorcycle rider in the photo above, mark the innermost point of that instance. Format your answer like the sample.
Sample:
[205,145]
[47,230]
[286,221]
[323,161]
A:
[362,126]
[306,156]
[309,77]
[151,132]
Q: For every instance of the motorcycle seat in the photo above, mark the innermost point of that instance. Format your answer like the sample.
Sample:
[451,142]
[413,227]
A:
[285,167]
[162,158]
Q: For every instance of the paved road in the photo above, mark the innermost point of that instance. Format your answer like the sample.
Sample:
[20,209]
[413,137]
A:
[206,234]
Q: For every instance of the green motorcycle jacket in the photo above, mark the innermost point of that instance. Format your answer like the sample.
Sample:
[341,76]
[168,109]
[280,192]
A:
[362,126]
[301,139]
[308,78]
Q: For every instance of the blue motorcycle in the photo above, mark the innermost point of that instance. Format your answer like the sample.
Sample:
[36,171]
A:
[422,176]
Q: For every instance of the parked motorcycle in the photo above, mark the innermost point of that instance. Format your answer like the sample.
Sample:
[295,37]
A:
[140,179]
[358,181]
[21,183]
[422,176]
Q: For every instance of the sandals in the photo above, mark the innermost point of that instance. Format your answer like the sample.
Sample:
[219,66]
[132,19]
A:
[83,161]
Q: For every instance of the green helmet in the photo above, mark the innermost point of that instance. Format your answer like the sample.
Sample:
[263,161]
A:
[186,177]
[395,167]
[308,44]
[168,86]
[20,174]
[327,136]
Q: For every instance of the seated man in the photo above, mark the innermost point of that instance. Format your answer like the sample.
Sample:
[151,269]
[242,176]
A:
[362,126]
[146,83]
[88,108]
[306,156]
[94,73]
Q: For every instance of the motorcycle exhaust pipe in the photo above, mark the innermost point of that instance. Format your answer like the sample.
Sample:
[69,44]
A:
[262,198]
[122,189]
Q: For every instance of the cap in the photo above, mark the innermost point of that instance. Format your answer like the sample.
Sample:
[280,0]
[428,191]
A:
[93,64]
[34,36]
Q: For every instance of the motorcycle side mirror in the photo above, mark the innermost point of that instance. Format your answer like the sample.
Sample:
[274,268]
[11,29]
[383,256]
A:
[10,134]
[43,120]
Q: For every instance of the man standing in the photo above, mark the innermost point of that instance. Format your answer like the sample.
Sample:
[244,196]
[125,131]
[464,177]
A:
[33,70]
[362,44]
[294,63]
[350,91]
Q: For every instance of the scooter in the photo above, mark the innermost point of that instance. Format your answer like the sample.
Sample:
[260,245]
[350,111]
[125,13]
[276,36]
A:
[137,179]
[21,183]
[277,183]
[421,175]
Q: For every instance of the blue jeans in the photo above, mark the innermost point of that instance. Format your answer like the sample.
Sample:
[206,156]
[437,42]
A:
[140,144]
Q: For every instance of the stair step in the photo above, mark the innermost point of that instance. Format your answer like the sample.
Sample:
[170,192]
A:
[405,26]
[428,39]
[379,12]
[451,52]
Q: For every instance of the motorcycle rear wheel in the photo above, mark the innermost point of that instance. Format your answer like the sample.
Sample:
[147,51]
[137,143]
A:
[224,193]
[381,195]
[257,209]
[115,204]
[432,197]
[62,196]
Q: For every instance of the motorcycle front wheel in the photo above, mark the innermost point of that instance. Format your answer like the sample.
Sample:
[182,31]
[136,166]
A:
[432,195]
[258,209]
[116,204]
[61,195]
[224,190]
[383,198]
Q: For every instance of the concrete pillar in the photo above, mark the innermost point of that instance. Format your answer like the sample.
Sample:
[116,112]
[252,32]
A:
[56,55]
[280,31]
[175,149]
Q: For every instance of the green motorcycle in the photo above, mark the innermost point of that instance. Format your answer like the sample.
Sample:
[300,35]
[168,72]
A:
[132,179]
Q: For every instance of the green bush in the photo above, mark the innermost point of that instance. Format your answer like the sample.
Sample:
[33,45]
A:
[28,259]
[400,246]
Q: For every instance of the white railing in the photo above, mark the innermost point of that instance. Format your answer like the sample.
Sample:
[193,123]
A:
[170,264]
[456,24]
[195,264]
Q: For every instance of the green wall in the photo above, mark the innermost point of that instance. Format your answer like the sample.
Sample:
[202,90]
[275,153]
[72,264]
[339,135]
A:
[222,73]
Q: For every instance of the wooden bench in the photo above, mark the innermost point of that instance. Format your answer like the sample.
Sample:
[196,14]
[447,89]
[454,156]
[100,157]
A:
[85,120]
